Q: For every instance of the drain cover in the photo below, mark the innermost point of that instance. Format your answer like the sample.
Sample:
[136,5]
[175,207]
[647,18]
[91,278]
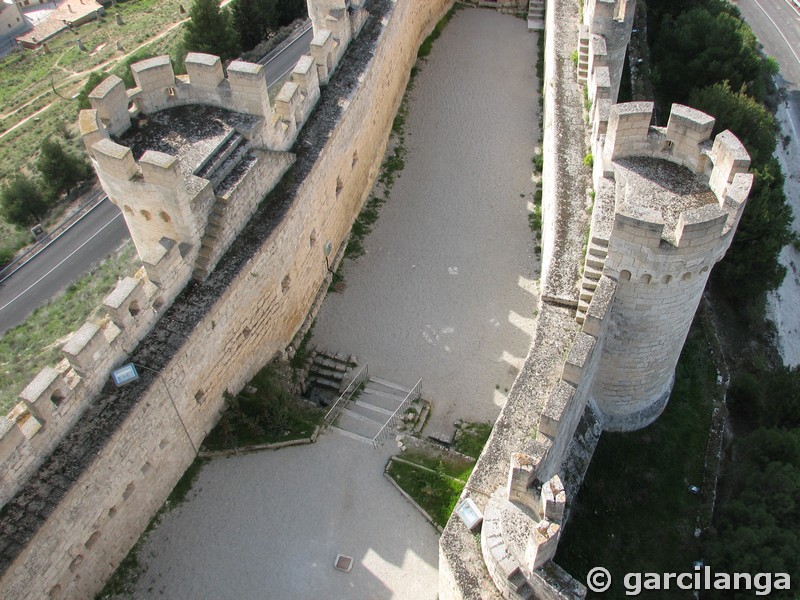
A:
[343,563]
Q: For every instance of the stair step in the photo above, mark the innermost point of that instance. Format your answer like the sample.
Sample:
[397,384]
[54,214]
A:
[361,413]
[597,251]
[325,382]
[423,415]
[320,371]
[360,426]
[594,262]
[586,296]
[391,385]
[589,284]
[373,408]
[352,435]
[591,273]
[380,399]
[330,363]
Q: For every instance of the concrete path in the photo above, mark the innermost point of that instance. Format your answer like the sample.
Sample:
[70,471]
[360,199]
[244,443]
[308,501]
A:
[270,525]
[445,292]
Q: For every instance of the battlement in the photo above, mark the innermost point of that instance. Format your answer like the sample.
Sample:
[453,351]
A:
[671,185]
[57,397]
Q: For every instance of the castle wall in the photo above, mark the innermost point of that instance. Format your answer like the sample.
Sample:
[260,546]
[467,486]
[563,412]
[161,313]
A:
[101,515]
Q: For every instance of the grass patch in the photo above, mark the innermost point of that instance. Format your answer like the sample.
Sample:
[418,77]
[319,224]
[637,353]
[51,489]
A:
[634,512]
[435,492]
[300,358]
[471,438]
[36,343]
[426,46]
[264,412]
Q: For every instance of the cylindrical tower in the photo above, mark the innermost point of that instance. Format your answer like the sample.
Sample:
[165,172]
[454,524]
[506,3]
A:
[677,200]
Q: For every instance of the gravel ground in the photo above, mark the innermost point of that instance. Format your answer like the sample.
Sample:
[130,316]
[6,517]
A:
[269,526]
[445,292]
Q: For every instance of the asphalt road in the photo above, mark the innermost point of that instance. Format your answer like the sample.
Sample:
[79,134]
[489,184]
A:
[777,25]
[97,234]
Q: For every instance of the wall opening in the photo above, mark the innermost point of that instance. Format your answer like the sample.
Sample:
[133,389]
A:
[134,309]
[339,185]
[646,278]
[128,491]
[686,276]
[163,444]
[165,217]
[57,397]
[286,283]
[619,13]
[92,539]
[312,240]
[666,279]
[246,333]
[128,209]
[355,158]
[112,512]
[146,467]
[624,275]
[55,591]
[200,396]
[171,92]
[146,214]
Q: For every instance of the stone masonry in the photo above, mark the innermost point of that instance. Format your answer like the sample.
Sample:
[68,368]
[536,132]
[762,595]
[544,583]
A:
[667,201]
[237,222]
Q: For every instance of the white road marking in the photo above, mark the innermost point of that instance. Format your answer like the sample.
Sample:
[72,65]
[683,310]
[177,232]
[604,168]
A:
[35,283]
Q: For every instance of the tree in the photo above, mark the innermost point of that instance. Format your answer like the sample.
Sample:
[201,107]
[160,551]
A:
[250,21]
[60,170]
[210,30]
[751,266]
[699,48]
[22,202]
[95,79]
[289,10]
[753,124]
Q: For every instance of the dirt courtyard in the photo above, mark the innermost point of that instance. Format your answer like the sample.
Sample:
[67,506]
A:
[446,289]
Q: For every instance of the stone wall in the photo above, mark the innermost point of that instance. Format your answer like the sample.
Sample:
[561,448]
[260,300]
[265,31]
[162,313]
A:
[66,530]
[666,205]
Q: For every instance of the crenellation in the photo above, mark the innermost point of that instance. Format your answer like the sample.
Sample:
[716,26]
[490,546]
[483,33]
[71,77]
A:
[115,160]
[204,70]
[153,74]
[110,100]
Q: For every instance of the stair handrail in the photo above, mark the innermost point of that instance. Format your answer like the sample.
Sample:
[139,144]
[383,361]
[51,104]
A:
[348,392]
[380,437]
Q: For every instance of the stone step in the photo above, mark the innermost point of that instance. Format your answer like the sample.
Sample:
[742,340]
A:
[388,384]
[380,399]
[594,262]
[364,414]
[359,426]
[423,415]
[321,371]
[330,363]
[589,284]
[325,382]
[223,170]
[586,296]
[199,274]
[351,435]
[231,142]
[597,251]
[590,272]
[374,409]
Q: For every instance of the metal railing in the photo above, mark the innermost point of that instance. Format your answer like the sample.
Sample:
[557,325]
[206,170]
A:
[381,436]
[348,392]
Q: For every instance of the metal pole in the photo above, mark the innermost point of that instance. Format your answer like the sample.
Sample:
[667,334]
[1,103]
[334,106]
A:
[171,399]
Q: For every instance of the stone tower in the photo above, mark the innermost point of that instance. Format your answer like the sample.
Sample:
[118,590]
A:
[668,201]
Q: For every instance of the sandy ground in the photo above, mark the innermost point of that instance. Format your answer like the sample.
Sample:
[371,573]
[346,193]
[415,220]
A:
[445,292]
[783,304]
